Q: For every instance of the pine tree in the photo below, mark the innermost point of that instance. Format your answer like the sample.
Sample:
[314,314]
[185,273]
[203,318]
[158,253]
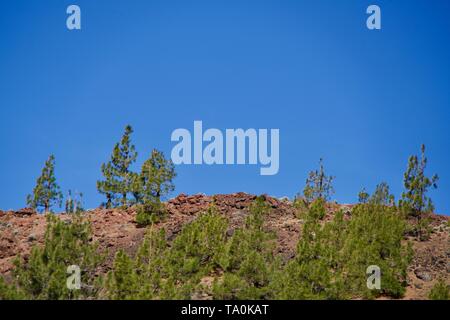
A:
[316,270]
[108,187]
[374,236]
[414,199]
[153,184]
[74,202]
[332,257]
[118,178]
[198,247]
[363,196]
[160,271]
[123,282]
[46,193]
[248,259]
[318,185]
[382,196]
[156,177]
[141,277]
[44,274]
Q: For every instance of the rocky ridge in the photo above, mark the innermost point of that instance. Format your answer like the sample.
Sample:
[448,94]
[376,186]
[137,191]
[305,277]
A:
[116,229]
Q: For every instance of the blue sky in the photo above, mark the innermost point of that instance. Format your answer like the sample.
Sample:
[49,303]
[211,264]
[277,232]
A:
[363,100]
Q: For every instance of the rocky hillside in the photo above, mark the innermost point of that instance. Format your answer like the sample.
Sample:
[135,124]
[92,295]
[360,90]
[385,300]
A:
[115,229]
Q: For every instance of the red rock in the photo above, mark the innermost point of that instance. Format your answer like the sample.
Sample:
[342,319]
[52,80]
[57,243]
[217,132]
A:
[25,212]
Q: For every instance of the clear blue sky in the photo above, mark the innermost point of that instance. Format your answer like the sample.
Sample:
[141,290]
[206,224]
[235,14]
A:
[364,100]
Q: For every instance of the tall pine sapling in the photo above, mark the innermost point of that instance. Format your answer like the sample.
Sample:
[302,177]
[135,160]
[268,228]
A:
[156,177]
[415,200]
[107,186]
[155,182]
[363,196]
[46,193]
[126,154]
[118,178]
[382,195]
[74,202]
[318,185]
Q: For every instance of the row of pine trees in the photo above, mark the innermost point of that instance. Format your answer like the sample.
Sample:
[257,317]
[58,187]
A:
[120,185]
[155,180]
[123,187]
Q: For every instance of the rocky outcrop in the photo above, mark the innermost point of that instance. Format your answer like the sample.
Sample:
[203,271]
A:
[116,229]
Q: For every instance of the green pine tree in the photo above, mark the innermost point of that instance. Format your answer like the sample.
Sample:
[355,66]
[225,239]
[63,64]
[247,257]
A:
[43,276]
[316,270]
[318,185]
[381,195]
[332,257]
[160,271]
[123,282]
[156,177]
[363,196]
[154,183]
[46,193]
[415,202]
[248,260]
[374,236]
[108,186]
[141,277]
[118,178]
[414,199]
[440,291]
[74,202]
